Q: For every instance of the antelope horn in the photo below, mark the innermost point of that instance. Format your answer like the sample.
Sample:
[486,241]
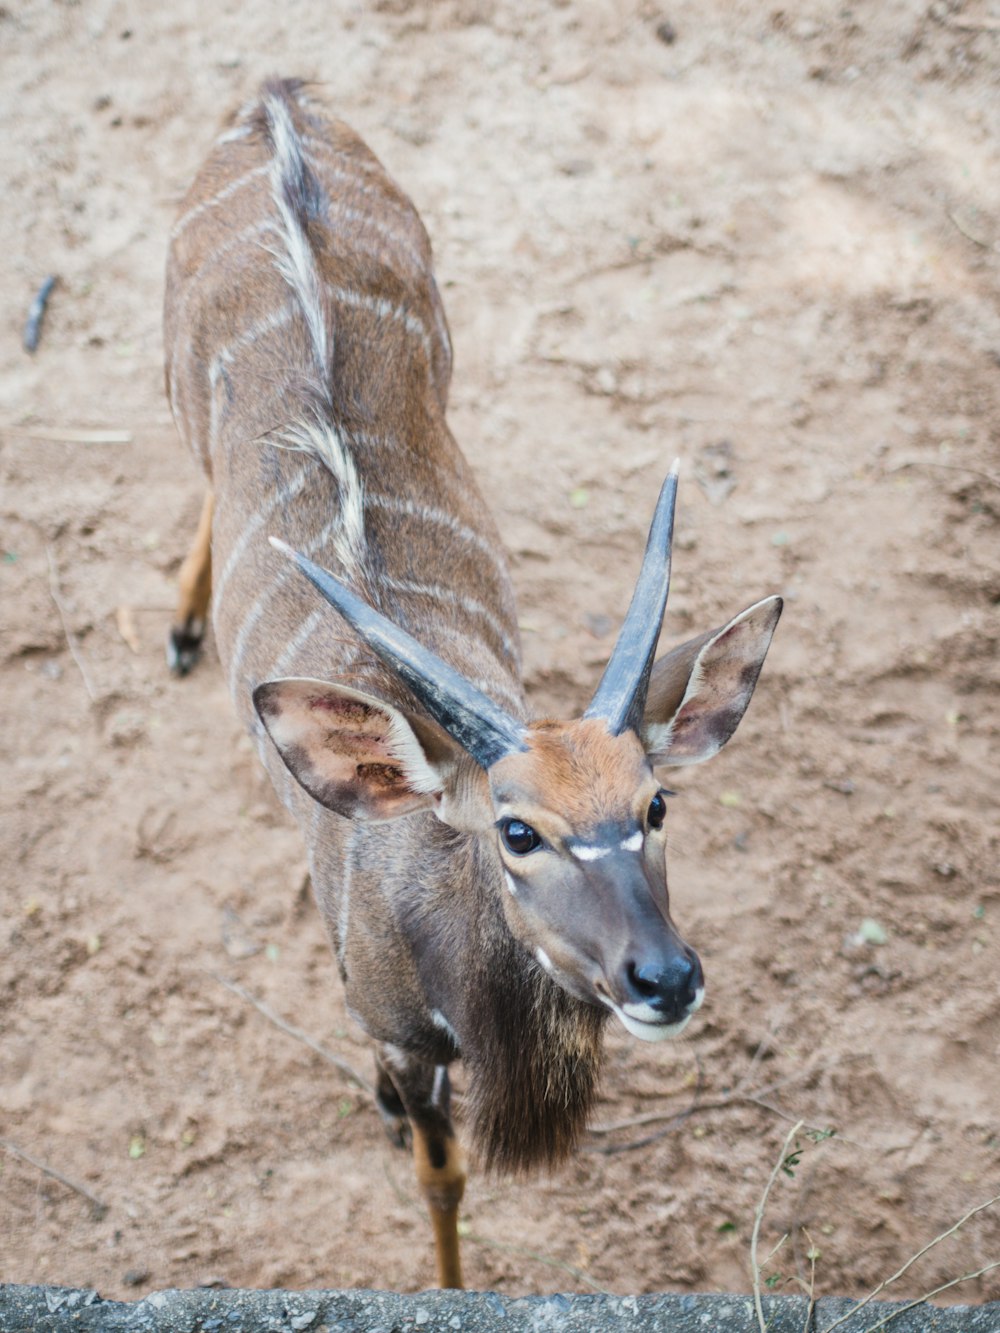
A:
[621,695]
[472,719]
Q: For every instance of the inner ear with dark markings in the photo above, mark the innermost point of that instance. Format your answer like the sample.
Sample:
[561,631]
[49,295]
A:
[352,753]
[699,692]
[368,760]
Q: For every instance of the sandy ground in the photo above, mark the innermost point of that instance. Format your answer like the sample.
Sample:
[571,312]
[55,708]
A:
[765,240]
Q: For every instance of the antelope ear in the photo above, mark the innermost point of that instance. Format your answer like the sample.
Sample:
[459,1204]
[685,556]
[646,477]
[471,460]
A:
[356,754]
[699,691]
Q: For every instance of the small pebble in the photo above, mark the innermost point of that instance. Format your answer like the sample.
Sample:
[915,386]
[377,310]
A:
[871,932]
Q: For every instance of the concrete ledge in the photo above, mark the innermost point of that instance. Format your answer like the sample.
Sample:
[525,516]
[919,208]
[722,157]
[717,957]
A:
[65,1310]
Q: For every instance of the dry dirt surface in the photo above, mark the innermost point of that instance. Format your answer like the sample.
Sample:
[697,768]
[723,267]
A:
[762,239]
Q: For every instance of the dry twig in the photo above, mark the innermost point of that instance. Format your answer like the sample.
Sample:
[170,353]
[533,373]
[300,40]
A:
[758,1218]
[755,1097]
[877,1291]
[125,624]
[295,1032]
[972,25]
[920,1300]
[969,235]
[537,1258]
[73,436]
[811,1255]
[71,639]
[946,467]
[98,1207]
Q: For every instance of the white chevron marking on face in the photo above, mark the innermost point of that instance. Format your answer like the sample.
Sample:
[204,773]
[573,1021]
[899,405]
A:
[583,853]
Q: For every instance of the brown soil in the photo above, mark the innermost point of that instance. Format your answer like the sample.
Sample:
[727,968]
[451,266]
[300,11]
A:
[770,246]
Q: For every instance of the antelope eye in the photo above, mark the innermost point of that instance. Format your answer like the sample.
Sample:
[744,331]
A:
[657,811]
[518,837]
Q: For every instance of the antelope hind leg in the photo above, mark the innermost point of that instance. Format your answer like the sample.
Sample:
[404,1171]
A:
[425,1092]
[390,1106]
[188,629]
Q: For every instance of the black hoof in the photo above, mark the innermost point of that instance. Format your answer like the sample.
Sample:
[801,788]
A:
[184,646]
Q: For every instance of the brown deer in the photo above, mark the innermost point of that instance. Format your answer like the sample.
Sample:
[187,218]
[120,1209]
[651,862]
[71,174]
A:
[494,886]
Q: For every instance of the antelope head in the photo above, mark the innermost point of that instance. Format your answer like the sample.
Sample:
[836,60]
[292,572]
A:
[573,811]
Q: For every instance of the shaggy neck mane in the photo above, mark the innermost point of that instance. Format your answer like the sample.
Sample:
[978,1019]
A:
[533,1056]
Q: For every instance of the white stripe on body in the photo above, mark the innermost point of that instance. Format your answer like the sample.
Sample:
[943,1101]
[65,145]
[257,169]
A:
[227,191]
[360,164]
[249,622]
[301,637]
[281,497]
[344,911]
[375,443]
[299,640]
[277,319]
[384,309]
[405,508]
[235,242]
[193,286]
[214,394]
[341,210]
[404,212]
[281,576]
[438,593]
[399,245]
[499,692]
[180,416]
[466,652]
[271,323]
[237,132]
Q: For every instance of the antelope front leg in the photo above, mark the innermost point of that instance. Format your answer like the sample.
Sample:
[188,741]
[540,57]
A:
[441,1173]
[425,1092]
[188,629]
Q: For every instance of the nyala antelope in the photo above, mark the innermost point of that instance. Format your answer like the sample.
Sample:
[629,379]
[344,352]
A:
[494,886]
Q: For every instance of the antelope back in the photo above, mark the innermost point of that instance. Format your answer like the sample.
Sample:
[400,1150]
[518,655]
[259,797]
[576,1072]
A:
[308,362]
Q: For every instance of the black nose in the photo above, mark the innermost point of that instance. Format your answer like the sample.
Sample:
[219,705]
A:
[667,985]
